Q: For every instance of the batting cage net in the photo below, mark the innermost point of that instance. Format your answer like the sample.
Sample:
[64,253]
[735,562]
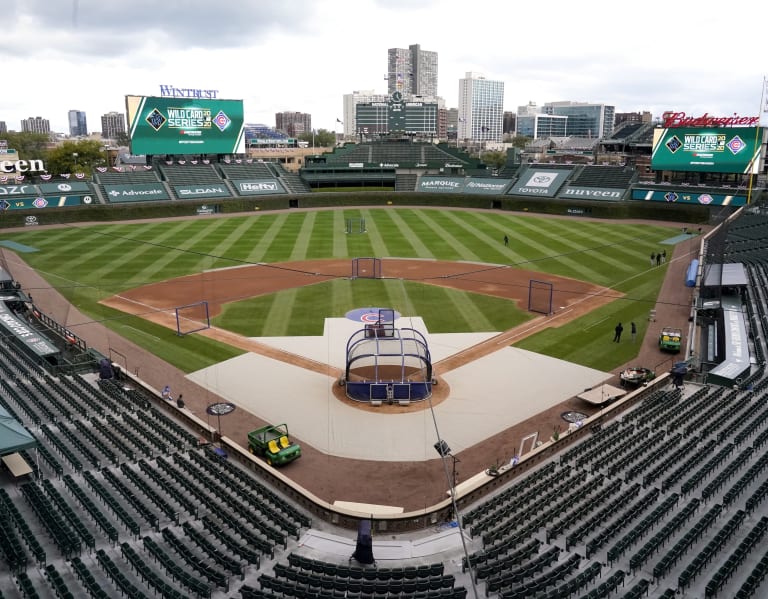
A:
[366,268]
[539,296]
[192,318]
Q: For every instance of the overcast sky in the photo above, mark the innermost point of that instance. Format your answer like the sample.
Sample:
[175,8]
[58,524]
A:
[304,55]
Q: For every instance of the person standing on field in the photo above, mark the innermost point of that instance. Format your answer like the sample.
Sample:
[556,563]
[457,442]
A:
[617,332]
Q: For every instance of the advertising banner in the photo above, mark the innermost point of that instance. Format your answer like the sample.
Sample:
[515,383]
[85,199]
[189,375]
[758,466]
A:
[167,125]
[715,149]
[488,185]
[65,187]
[40,202]
[688,197]
[435,184]
[18,190]
[256,187]
[138,192]
[27,335]
[543,183]
[205,190]
[591,193]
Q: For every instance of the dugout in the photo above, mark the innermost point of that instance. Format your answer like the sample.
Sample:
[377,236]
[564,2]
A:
[725,354]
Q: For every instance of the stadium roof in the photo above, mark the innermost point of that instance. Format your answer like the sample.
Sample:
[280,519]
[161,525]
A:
[727,275]
[13,436]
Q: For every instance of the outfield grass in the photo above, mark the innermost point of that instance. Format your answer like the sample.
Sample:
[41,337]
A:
[89,263]
[459,311]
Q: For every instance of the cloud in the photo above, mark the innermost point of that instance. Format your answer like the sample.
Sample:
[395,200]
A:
[102,28]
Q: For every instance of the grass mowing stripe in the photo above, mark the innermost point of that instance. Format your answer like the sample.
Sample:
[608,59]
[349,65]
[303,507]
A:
[480,234]
[302,241]
[279,316]
[275,226]
[339,237]
[238,236]
[419,247]
[464,304]
[558,255]
[179,239]
[507,254]
[378,243]
[450,236]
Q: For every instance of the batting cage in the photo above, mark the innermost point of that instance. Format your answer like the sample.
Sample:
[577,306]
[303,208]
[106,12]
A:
[540,296]
[355,226]
[192,318]
[366,268]
[388,364]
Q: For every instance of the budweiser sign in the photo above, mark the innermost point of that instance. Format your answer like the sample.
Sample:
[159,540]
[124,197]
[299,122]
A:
[680,119]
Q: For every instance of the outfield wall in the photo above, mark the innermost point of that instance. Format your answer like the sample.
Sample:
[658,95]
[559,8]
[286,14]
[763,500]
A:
[694,213]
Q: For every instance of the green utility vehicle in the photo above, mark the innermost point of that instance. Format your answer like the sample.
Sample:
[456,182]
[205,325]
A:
[274,444]
[670,339]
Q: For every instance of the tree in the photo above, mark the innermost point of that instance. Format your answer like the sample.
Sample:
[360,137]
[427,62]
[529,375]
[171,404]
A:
[322,138]
[520,141]
[29,146]
[76,157]
[495,159]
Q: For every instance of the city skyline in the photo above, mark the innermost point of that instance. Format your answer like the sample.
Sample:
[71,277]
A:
[305,57]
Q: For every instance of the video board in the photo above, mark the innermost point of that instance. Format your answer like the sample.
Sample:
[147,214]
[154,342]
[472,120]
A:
[161,125]
[715,149]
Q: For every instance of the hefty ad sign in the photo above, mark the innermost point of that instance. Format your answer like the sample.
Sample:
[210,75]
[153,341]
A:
[173,125]
[257,187]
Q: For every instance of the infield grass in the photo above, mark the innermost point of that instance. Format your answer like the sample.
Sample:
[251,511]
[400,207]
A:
[89,263]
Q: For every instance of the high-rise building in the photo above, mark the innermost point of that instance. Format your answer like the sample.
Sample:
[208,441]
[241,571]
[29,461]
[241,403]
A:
[412,71]
[78,126]
[481,108]
[593,121]
[35,124]
[293,123]
[3,127]
[112,125]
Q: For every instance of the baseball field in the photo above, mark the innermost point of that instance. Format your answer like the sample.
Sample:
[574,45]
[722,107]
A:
[91,263]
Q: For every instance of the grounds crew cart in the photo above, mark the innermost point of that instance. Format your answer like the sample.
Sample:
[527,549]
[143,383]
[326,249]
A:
[670,339]
[273,443]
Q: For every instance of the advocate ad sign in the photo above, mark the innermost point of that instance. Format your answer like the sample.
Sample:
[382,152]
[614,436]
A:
[138,192]
[715,149]
[163,125]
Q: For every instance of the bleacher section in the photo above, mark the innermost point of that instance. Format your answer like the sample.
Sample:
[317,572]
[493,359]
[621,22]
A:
[397,154]
[616,177]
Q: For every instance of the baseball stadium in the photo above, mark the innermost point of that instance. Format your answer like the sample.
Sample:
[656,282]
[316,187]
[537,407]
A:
[388,374]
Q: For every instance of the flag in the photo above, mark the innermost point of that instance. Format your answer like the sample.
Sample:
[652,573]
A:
[763,116]
[484,129]
[339,121]
[462,120]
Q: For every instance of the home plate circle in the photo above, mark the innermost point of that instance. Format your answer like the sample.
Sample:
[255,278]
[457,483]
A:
[370,315]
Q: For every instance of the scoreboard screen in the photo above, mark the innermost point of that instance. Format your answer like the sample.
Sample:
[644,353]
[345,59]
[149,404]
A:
[716,149]
[164,125]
